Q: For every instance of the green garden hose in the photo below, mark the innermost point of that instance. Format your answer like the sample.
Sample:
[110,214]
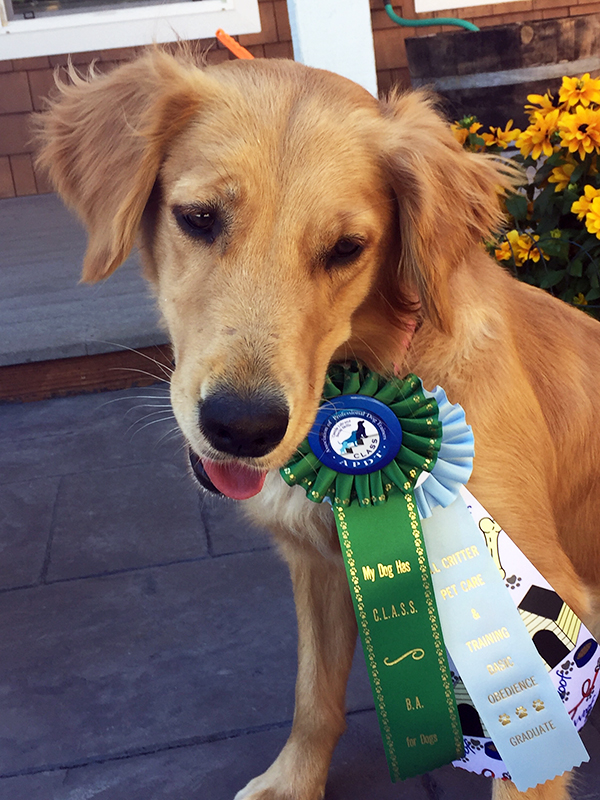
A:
[418,23]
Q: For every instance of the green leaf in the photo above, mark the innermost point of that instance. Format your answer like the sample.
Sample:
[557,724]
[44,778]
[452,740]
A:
[543,202]
[553,247]
[569,198]
[552,278]
[593,294]
[577,173]
[516,205]
[576,268]
[556,159]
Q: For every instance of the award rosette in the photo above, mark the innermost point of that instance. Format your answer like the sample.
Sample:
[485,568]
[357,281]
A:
[430,571]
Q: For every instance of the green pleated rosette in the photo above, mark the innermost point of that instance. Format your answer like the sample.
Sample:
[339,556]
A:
[418,416]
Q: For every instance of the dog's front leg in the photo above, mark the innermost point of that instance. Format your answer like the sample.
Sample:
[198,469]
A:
[326,641]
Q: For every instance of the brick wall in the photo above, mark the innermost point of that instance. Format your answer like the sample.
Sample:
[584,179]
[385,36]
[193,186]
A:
[25,82]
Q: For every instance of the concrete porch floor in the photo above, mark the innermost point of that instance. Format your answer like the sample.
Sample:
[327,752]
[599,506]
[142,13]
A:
[147,634]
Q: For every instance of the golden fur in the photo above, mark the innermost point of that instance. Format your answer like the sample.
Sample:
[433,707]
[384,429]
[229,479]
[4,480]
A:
[300,158]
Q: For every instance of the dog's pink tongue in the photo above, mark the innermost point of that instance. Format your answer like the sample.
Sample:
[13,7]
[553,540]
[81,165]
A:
[233,479]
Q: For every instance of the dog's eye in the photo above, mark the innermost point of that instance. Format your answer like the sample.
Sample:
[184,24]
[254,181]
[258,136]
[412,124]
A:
[202,222]
[344,251]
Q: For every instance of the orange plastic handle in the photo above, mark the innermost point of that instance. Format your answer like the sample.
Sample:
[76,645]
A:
[230,43]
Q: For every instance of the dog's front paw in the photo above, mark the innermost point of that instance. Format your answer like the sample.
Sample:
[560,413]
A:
[287,779]
[263,788]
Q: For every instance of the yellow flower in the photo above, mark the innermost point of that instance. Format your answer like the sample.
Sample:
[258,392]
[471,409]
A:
[581,131]
[501,138]
[582,206]
[592,218]
[561,176]
[535,139]
[535,252]
[520,247]
[543,104]
[580,300]
[584,90]
[462,128]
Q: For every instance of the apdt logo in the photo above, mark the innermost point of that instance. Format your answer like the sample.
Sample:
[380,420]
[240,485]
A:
[355,434]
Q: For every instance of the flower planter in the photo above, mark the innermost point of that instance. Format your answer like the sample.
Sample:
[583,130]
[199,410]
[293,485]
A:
[490,72]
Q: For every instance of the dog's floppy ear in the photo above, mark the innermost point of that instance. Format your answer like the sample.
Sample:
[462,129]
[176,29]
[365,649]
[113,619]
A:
[103,140]
[448,198]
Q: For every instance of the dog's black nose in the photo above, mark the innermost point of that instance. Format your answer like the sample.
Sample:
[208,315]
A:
[250,425]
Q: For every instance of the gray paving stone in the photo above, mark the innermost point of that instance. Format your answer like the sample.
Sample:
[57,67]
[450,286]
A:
[44,312]
[81,434]
[43,786]
[26,510]
[217,770]
[122,518]
[95,667]
[228,529]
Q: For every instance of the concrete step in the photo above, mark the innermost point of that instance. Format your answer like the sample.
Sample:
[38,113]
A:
[45,313]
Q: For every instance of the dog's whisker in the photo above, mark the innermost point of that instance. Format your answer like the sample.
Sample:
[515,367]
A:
[151,414]
[130,397]
[168,371]
[157,378]
[147,424]
[174,430]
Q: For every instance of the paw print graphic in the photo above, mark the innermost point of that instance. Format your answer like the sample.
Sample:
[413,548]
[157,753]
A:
[567,667]
[563,694]
[521,712]
[504,719]
[538,705]
[476,744]
[513,582]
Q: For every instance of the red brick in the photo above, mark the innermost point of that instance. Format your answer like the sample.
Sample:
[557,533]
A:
[279,50]
[476,11]
[513,8]
[282,20]
[102,67]
[384,80]
[389,78]
[390,52]
[76,58]
[42,180]
[23,177]
[488,22]
[544,4]
[523,16]
[257,50]
[38,62]
[14,93]
[587,8]
[7,187]
[402,78]
[14,134]
[555,13]
[215,56]
[119,54]
[268,27]
[41,83]
[6,66]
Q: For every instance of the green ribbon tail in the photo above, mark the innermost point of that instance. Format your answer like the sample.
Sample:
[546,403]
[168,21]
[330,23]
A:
[390,583]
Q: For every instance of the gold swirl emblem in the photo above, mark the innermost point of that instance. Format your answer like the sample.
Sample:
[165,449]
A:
[417,654]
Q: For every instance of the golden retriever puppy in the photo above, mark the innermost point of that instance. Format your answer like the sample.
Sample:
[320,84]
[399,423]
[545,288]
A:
[287,219]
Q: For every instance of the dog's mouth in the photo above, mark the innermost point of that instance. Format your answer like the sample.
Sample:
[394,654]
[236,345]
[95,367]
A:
[230,478]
